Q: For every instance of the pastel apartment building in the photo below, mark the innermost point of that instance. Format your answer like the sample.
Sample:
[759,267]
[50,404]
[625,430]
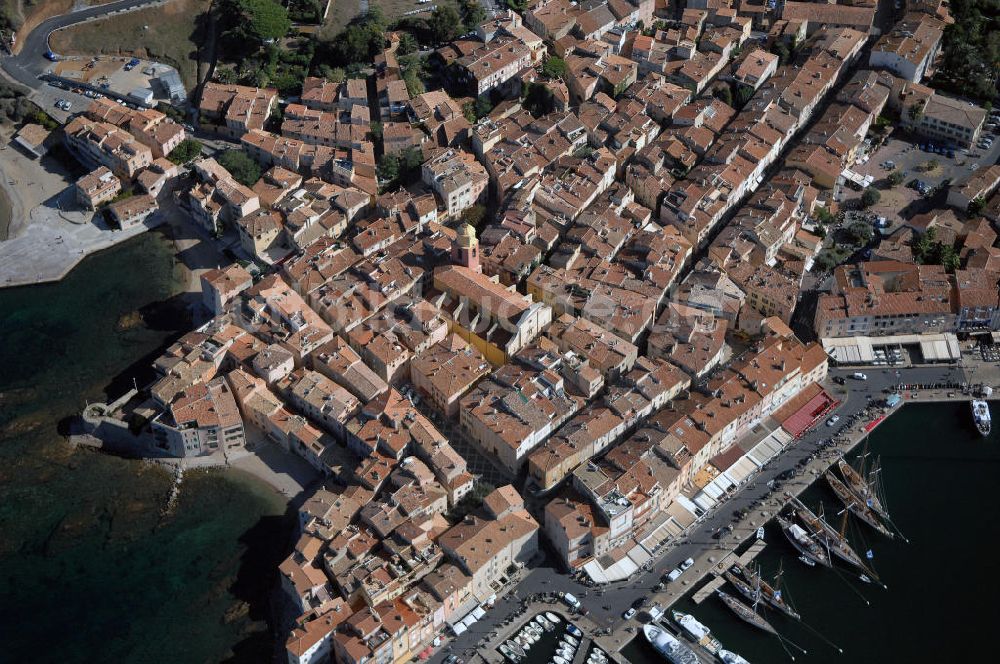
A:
[97,187]
[456,177]
[149,126]
[103,144]
[910,48]
[445,372]
[939,117]
[489,66]
[485,546]
[233,110]
[221,286]
[133,210]
[202,420]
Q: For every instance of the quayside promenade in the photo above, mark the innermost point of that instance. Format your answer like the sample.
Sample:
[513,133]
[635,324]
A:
[806,460]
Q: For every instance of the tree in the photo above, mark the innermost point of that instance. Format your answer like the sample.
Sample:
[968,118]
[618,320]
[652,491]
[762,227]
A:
[356,45]
[870,197]
[860,233]
[478,109]
[241,166]
[538,100]
[186,151]
[930,165]
[332,74]
[895,178]
[554,67]
[823,215]
[305,11]
[445,23]
[388,168]
[724,94]
[472,13]
[781,50]
[264,20]
[474,216]
[924,246]
[948,258]
[976,206]
[743,95]
[407,44]
[412,159]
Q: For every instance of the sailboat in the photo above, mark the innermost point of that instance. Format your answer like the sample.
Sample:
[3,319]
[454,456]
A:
[855,506]
[763,590]
[833,540]
[745,613]
[803,543]
[864,487]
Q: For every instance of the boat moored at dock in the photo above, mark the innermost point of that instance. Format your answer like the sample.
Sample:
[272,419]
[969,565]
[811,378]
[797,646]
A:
[760,589]
[669,646]
[729,657]
[981,416]
[856,506]
[698,632]
[803,543]
[745,613]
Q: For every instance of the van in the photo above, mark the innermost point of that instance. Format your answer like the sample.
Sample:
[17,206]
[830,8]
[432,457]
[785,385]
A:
[674,574]
[859,376]
[571,601]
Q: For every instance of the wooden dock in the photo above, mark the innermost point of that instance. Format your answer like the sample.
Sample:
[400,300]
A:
[727,561]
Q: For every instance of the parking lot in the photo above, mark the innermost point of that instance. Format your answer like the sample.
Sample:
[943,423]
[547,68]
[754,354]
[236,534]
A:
[905,154]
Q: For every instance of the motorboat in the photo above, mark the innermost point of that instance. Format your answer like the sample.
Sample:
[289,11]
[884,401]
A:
[669,647]
[729,657]
[546,625]
[552,618]
[981,415]
[515,648]
[509,653]
[560,660]
[575,631]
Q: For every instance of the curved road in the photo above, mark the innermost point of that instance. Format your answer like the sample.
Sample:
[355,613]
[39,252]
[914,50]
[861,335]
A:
[26,66]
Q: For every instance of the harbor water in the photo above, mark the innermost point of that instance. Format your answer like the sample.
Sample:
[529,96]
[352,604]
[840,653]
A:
[90,570]
[940,483]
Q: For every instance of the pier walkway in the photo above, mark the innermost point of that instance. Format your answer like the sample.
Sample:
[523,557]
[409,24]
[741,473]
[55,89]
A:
[727,561]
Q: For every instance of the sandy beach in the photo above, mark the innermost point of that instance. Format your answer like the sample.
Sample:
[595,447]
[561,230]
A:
[26,183]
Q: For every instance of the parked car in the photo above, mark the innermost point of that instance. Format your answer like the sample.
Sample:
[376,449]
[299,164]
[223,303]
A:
[839,380]
[857,375]
[686,565]
[833,420]
[49,55]
[629,614]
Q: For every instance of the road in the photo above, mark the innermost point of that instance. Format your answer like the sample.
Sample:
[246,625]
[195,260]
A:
[605,604]
[26,66]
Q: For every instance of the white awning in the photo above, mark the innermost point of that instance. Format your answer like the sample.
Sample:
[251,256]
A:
[458,628]
[861,350]
[479,612]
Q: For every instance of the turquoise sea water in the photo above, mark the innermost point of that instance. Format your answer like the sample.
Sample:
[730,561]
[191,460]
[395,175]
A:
[89,570]
[940,480]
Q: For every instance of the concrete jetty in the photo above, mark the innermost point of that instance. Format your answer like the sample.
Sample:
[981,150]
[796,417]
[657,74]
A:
[727,561]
